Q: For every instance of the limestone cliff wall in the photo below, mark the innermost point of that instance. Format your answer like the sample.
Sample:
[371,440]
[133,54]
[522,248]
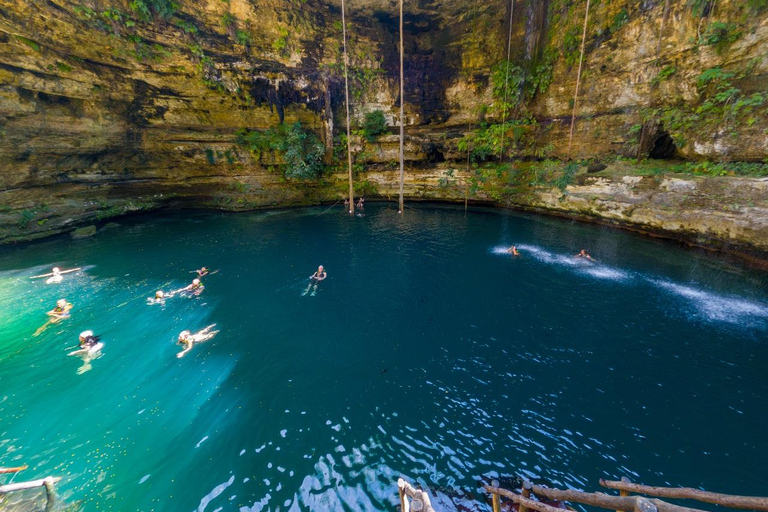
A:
[107,109]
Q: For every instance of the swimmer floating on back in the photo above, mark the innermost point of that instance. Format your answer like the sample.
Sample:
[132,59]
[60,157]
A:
[513,251]
[583,254]
[187,339]
[202,272]
[195,288]
[314,279]
[55,275]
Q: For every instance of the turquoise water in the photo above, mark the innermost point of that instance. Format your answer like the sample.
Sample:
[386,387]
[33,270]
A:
[426,353]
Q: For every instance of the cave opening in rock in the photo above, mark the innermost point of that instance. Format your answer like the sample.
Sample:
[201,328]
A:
[663,148]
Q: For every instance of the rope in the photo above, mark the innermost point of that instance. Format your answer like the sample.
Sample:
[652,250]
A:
[334,204]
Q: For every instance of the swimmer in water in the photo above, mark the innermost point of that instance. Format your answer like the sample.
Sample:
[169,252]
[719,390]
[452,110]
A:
[195,288]
[314,279]
[61,310]
[360,203]
[187,339]
[513,251]
[583,254]
[55,275]
[90,349]
[57,314]
[159,298]
[202,272]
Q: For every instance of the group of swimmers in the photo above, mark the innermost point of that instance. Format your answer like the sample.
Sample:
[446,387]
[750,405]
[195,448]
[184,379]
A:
[186,338]
[582,254]
[90,344]
[359,205]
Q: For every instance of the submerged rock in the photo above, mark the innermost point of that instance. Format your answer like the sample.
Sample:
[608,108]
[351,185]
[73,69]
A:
[83,232]
[109,225]
[596,167]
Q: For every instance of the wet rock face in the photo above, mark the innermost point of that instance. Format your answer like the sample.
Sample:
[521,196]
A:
[106,109]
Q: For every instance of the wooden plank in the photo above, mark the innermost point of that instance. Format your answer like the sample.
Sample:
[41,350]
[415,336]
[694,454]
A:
[4,489]
[4,471]
[604,501]
[687,493]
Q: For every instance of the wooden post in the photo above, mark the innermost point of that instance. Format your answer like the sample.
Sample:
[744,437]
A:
[643,505]
[50,495]
[496,502]
[401,206]
[624,493]
[578,80]
[526,493]
[346,94]
[495,498]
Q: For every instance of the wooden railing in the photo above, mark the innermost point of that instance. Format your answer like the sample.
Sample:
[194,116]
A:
[624,502]
[412,499]
[48,483]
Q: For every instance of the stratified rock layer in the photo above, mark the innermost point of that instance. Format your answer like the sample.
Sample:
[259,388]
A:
[105,112]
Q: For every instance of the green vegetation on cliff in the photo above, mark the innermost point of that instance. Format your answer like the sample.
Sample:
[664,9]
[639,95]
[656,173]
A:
[298,153]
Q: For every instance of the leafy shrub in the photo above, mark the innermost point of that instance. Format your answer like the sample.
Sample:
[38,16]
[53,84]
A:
[619,19]
[227,20]
[720,34]
[700,8]
[149,10]
[374,125]
[664,74]
[507,80]
[572,44]
[187,27]
[243,37]
[301,150]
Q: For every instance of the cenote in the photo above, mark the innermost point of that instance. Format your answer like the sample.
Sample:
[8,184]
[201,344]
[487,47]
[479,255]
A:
[427,353]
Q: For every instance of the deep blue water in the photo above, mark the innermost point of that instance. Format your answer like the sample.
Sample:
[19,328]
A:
[427,353]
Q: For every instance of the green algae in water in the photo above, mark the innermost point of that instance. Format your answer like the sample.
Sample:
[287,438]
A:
[428,352]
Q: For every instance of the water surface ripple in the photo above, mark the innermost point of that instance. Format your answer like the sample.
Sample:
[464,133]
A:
[428,352]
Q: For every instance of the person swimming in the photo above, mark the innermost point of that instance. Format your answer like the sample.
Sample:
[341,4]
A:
[90,349]
[57,314]
[187,339]
[195,288]
[61,310]
[88,340]
[513,251]
[320,274]
[55,276]
[583,254]
[202,272]
[314,279]
[159,297]
[360,203]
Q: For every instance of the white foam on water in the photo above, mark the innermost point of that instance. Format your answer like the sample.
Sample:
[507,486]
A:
[581,265]
[500,249]
[550,257]
[604,272]
[717,307]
